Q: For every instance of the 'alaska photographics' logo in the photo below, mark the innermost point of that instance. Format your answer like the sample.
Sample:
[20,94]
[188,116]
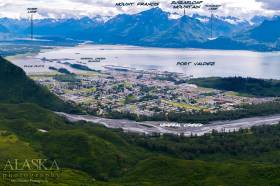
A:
[33,170]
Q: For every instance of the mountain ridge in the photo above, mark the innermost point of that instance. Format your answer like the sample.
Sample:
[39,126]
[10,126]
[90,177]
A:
[155,28]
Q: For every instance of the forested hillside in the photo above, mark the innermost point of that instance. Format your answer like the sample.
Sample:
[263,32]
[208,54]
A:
[16,87]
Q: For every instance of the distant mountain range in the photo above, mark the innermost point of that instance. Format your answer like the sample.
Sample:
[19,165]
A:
[3,29]
[155,27]
[268,31]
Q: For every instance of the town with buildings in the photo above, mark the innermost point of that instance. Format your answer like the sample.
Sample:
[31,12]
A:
[145,93]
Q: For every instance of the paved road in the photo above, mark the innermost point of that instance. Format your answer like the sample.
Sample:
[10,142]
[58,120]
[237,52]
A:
[188,130]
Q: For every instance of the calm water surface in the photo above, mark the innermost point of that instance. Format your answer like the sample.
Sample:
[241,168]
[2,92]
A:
[227,63]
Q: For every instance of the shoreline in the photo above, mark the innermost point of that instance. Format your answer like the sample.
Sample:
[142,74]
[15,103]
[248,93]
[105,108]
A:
[173,55]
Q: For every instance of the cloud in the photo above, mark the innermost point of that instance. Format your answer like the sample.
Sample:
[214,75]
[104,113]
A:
[270,4]
[92,8]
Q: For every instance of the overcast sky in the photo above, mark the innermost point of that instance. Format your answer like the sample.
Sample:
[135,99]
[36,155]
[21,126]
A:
[79,8]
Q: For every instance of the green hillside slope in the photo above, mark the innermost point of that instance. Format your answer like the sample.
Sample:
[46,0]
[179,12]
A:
[16,87]
[115,158]
[162,171]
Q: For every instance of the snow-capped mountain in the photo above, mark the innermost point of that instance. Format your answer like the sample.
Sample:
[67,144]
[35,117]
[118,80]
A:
[153,27]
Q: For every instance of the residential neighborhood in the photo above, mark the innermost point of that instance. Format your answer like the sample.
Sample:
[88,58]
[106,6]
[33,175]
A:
[142,93]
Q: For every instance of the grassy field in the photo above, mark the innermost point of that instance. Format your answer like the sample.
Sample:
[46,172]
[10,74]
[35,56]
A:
[183,105]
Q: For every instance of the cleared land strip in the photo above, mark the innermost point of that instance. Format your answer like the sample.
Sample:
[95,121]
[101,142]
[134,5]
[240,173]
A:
[176,128]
